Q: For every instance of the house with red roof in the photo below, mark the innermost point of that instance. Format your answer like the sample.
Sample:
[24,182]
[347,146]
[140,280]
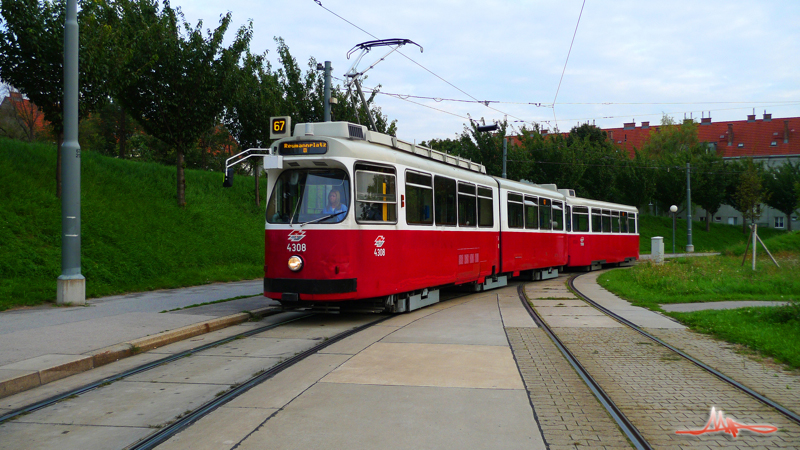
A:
[772,141]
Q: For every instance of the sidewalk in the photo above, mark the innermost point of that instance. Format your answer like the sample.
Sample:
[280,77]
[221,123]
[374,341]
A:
[42,344]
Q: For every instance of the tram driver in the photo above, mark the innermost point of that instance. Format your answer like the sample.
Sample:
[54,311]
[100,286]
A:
[335,204]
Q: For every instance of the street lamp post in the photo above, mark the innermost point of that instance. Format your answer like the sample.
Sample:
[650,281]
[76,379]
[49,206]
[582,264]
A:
[673,209]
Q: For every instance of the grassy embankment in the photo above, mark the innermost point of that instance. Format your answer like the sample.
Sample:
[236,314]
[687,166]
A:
[774,331]
[134,236]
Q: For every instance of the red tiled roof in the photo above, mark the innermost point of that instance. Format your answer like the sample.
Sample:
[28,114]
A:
[752,137]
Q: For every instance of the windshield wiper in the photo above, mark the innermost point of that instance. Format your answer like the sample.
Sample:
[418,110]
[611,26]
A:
[323,218]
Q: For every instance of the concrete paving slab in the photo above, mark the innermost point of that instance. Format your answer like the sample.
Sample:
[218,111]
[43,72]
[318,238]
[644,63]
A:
[402,320]
[261,347]
[195,369]
[318,327]
[163,402]
[584,310]
[409,418]
[203,339]
[63,385]
[447,330]
[359,341]
[221,430]
[514,314]
[468,366]
[281,389]
[54,436]
[476,322]
[552,303]
[649,319]
[689,307]
[582,322]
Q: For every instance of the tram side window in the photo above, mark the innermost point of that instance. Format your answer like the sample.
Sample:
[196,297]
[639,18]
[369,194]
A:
[558,216]
[606,221]
[545,213]
[580,218]
[376,194]
[467,205]
[444,192]
[568,218]
[623,220]
[485,207]
[596,221]
[615,228]
[632,225]
[531,213]
[419,198]
[515,214]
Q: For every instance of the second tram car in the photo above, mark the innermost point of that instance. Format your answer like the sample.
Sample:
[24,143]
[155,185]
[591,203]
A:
[359,217]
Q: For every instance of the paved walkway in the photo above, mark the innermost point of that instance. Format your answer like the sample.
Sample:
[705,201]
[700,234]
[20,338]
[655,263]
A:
[676,255]
[689,307]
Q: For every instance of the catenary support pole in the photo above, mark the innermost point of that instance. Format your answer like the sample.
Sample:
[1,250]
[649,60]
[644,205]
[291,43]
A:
[689,246]
[755,233]
[327,107]
[505,147]
[71,287]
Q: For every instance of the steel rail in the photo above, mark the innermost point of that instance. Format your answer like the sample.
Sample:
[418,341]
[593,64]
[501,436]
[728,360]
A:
[619,417]
[794,417]
[167,432]
[139,369]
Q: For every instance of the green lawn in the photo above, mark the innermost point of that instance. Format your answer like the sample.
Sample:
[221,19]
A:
[134,236]
[773,331]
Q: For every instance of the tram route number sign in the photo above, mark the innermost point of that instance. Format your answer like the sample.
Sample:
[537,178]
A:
[280,127]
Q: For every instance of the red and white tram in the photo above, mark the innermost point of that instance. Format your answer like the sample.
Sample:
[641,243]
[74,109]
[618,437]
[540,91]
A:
[359,216]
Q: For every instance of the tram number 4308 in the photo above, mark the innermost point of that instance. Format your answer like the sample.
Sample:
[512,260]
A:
[296,247]
[380,252]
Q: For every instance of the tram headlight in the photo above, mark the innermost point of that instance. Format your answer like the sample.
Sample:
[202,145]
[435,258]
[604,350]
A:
[295,263]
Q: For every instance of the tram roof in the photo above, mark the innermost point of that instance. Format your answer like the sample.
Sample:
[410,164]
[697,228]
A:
[347,130]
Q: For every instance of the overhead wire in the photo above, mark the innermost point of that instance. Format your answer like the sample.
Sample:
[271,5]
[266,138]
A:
[565,62]
[319,2]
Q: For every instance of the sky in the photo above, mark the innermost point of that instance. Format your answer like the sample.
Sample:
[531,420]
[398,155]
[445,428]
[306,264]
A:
[630,60]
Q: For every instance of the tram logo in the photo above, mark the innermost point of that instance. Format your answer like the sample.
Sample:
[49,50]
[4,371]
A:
[718,423]
[297,236]
[379,241]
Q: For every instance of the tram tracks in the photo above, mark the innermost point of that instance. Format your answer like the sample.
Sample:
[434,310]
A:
[197,398]
[72,393]
[650,392]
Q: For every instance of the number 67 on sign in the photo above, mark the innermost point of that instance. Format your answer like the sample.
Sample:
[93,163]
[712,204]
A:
[280,127]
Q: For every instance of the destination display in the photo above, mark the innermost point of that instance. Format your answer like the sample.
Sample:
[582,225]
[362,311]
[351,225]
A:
[304,148]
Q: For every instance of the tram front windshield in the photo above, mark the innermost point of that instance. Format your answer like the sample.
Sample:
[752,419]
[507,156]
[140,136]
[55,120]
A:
[310,196]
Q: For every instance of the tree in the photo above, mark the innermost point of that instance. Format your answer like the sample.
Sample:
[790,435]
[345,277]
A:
[31,59]
[780,182]
[176,82]
[750,193]
[635,182]
[709,180]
